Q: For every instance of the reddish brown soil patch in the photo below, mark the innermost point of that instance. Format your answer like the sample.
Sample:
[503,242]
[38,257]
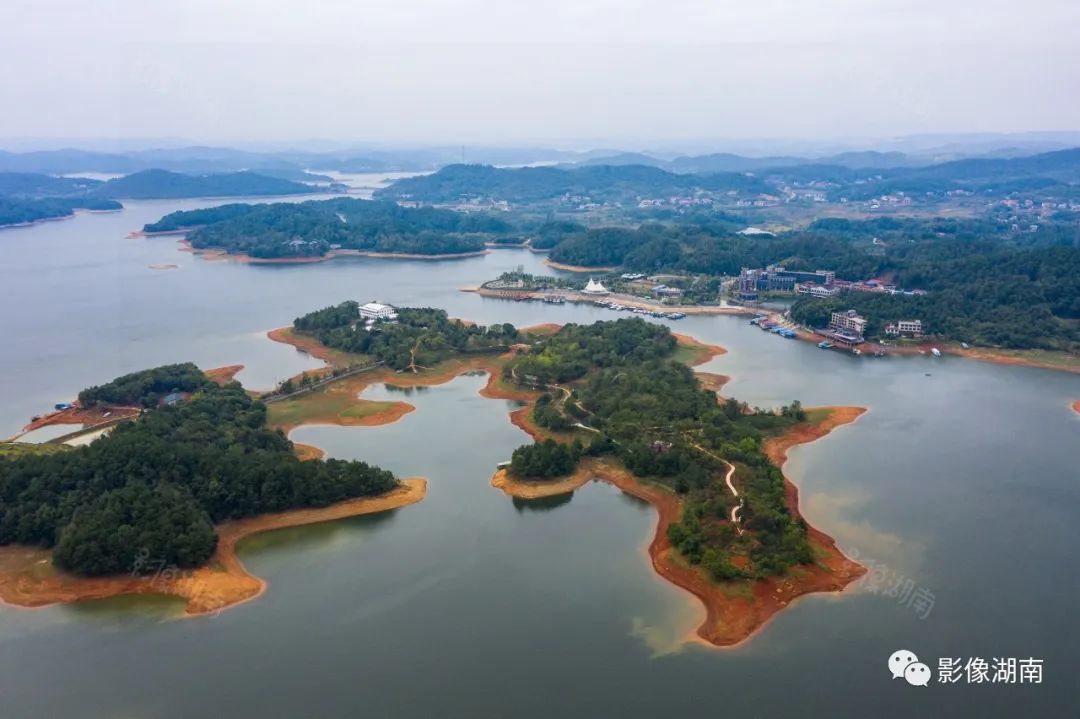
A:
[712,381]
[223,375]
[1076,406]
[311,346]
[28,579]
[541,330]
[308,451]
[86,416]
[703,352]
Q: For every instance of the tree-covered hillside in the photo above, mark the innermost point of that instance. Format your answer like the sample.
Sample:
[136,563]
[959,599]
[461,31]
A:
[530,184]
[650,413]
[312,228]
[420,337]
[157,485]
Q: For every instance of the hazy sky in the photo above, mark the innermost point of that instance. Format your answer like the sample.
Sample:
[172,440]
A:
[544,70]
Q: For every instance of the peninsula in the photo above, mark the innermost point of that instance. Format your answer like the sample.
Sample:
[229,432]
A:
[614,401]
[201,470]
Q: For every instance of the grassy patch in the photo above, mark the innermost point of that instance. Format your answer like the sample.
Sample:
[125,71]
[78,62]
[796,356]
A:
[333,404]
[22,449]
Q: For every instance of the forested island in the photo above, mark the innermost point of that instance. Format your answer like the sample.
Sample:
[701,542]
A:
[157,486]
[29,197]
[618,384]
[417,338]
[163,184]
[315,228]
[20,211]
[613,401]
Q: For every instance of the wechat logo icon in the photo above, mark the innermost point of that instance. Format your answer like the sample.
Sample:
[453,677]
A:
[903,664]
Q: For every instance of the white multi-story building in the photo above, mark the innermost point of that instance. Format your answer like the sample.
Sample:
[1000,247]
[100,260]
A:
[817,290]
[377,311]
[849,321]
[905,327]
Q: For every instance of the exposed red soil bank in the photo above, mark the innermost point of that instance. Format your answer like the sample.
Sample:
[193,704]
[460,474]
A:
[28,578]
[731,613]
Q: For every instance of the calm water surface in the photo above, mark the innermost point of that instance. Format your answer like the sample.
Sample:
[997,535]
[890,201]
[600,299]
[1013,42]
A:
[960,480]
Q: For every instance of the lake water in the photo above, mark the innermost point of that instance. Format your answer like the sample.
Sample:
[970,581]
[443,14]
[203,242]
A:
[961,481]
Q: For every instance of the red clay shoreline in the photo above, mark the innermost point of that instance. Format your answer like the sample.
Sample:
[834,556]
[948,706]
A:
[731,618]
[733,615]
[28,580]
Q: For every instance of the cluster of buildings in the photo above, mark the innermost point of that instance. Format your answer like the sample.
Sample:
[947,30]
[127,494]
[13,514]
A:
[774,278]
[849,328]
[819,283]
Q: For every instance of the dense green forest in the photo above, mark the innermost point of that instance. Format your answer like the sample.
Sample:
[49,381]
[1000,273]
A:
[15,211]
[162,184]
[34,185]
[312,228]
[156,486]
[534,184]
[420,337]
[986,282]
[577,349]
[146,388]
[544,460]
[650,412]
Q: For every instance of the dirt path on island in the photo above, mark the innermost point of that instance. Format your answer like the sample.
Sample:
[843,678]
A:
[734,611]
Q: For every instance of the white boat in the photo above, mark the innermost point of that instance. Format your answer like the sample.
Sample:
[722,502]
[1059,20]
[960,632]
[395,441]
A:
[935,351]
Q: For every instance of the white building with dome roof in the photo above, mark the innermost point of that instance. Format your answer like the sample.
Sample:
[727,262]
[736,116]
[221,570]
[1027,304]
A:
[595,288]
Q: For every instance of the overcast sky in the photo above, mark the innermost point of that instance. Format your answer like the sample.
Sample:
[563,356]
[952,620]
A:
[535,70]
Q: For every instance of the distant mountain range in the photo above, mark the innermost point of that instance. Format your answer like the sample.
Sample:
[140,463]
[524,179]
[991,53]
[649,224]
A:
[625,175]
[727,162]
[149,184]
[455,182]
[287,164]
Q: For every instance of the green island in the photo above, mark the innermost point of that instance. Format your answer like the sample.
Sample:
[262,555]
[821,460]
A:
[613,401]
[618,385]
[417,337]
[27,197]
[315,228]
[200,454]
[204,464]
[20,211]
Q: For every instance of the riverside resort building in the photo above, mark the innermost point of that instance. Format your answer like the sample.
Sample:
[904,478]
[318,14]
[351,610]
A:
[376,311]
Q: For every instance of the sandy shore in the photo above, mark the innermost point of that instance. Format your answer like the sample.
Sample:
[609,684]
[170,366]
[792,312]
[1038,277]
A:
[28,579]
[732,614]
[577,268]
[223,375]
[712,381]
[339,402]
[694,351]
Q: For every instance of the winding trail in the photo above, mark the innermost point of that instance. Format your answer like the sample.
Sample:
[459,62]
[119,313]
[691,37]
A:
[730,485]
